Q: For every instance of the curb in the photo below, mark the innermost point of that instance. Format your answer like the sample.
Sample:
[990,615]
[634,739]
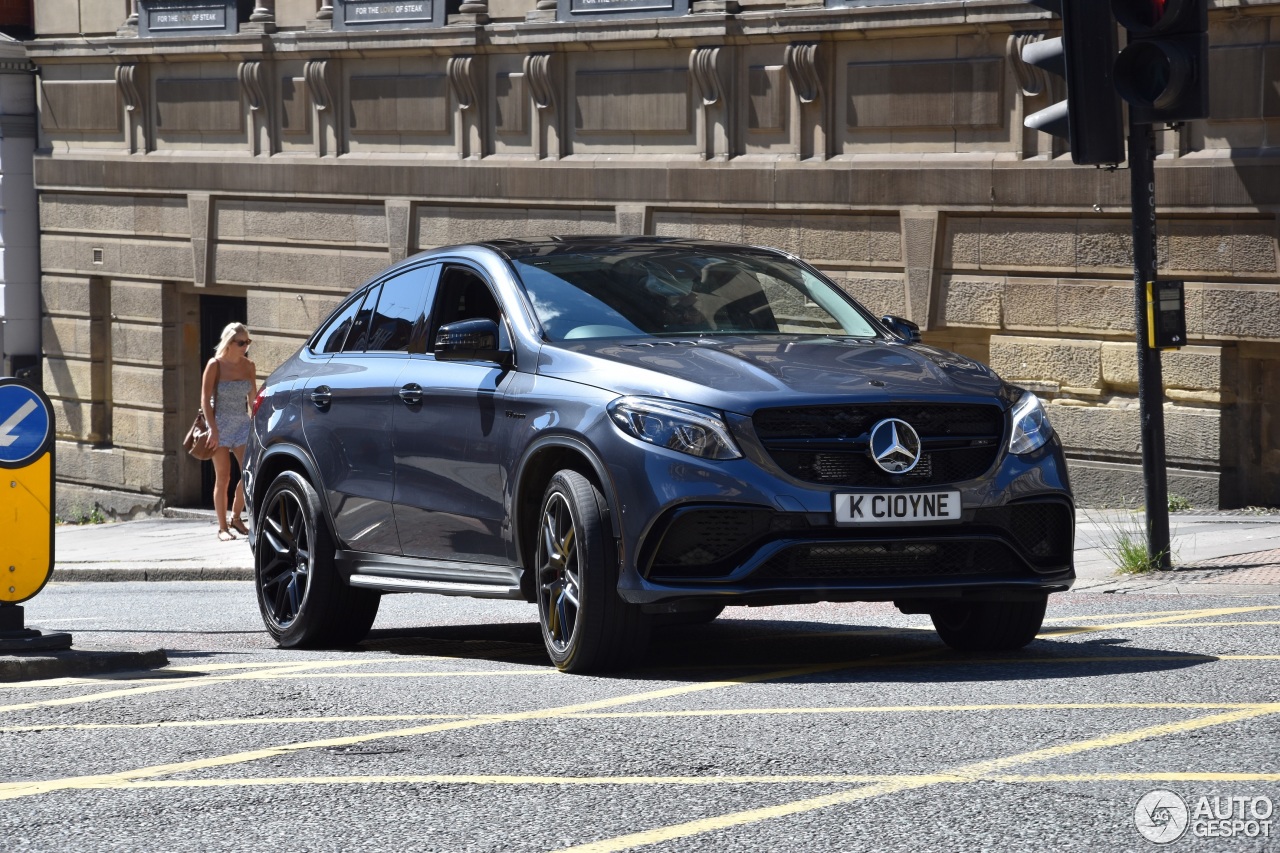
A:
[131,573]
[75,662]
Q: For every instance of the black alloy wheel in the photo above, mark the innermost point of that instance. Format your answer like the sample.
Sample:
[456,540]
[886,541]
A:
[303,600]
[989,626]
[586,625]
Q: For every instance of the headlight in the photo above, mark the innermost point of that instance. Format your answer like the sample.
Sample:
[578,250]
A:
[676,426]
[1030,425]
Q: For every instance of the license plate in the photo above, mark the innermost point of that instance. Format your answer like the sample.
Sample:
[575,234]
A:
[897,507]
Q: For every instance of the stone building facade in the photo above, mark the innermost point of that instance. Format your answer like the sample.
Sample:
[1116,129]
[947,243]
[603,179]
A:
[273,165]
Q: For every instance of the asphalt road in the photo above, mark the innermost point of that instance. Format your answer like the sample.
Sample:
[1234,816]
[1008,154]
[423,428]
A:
[818,728]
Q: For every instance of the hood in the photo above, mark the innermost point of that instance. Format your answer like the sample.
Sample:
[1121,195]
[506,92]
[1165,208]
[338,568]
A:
[742,374]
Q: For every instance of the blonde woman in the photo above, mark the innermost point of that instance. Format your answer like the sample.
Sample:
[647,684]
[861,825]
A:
[230,382]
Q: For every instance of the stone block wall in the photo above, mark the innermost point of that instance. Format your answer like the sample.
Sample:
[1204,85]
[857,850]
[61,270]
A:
[883,143]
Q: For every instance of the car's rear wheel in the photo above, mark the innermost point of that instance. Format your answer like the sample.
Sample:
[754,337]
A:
[586,625]
[989,626]
[303,599]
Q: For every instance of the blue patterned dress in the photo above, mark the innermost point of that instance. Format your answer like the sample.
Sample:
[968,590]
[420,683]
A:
[230,412]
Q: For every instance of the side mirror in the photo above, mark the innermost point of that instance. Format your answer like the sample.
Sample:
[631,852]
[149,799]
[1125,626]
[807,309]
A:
[902,327]
[470,340]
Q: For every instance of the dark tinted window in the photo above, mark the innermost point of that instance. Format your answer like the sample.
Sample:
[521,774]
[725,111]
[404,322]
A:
[464,295]
[334,335]
[399,309]
[358,337]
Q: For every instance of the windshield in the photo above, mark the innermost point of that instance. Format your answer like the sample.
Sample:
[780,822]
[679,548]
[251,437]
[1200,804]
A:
[626,291]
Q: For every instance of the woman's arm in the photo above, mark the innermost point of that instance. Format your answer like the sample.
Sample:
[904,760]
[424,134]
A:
[253,385]
[208,386]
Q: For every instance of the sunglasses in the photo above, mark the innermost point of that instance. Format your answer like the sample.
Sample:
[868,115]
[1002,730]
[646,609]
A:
[243,343]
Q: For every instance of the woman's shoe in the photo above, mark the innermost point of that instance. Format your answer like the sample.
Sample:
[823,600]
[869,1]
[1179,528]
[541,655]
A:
[238,526]
[225,535]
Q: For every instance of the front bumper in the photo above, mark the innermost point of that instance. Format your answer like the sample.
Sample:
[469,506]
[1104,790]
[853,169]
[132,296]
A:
[739,533]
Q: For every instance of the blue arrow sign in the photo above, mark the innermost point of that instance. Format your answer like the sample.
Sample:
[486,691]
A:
[24,423]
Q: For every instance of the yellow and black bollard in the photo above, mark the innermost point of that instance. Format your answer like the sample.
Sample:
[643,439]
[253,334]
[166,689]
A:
[26,512]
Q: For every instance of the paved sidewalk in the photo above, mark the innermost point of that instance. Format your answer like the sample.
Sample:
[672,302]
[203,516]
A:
[1215,553]
[1225,553]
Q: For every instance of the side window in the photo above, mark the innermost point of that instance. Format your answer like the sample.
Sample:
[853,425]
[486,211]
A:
[399,310]
[334,335]
[358,337]
[463,295]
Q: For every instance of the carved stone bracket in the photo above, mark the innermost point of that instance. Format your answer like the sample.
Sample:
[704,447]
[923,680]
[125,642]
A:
[136,121]
[250,74]
[920,239]
[705,68]
[461,70]
[801,60]
[127,80]
[316,73]
[200,209]
[1031,80]
[537,71]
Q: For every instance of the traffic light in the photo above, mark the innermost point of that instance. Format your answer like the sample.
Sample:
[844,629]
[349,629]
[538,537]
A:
[1163,72]
[1090,118]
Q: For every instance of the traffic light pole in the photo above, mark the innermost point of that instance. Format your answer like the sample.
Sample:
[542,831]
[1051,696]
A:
[1142,180]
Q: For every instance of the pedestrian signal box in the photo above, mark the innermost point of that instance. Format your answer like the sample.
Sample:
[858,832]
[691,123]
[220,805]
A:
[1166,315]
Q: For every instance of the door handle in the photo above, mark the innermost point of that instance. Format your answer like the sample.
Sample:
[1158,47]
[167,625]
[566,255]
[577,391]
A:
[411,394]
[322,396]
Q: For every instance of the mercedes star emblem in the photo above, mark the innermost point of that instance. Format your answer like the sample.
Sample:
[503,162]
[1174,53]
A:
[895,447]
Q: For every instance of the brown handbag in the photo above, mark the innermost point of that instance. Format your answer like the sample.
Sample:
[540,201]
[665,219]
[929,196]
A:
[196,443]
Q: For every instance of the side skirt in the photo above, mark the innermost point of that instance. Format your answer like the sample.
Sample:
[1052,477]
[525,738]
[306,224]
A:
[442,577]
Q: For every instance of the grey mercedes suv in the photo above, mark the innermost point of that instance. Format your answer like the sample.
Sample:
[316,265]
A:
[637,432]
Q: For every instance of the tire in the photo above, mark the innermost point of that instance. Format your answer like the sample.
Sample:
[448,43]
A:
[303,599]
[989,626]
[586,625]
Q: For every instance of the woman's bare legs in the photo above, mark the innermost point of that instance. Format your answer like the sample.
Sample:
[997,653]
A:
[237,504]
[221,479]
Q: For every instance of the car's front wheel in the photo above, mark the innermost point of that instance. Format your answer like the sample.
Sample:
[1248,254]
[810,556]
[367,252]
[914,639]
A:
[586,625]
[989,626]
[303,599]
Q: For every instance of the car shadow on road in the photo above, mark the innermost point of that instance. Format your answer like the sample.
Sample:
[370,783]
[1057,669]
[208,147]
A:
[728,649]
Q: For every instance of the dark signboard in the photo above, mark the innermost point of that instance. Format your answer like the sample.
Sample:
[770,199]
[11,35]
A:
[191,17]
[387,14]
[577,10]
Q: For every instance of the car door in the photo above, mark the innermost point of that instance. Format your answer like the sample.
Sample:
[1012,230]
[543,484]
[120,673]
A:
[348,407]
[450,442]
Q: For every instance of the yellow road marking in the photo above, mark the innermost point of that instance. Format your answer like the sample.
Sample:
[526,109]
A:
[1155,776]
[1087,617]
[1159,620]
[169,672]
[612,715]
[15,790]
[691,781]
[242,721]
[929,709]
[975,771]
[162,685]
[1213,624]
